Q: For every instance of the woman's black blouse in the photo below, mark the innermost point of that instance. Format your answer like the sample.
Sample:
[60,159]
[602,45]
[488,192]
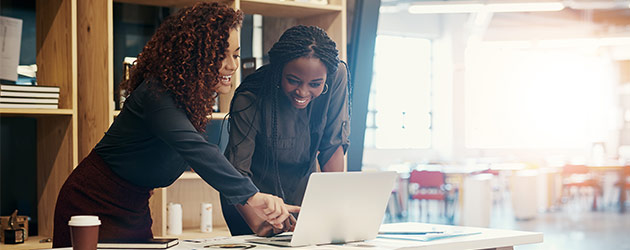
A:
[152,142]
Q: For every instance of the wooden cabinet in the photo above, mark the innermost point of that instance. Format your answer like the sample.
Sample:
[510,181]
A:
[57,129]
[75,52]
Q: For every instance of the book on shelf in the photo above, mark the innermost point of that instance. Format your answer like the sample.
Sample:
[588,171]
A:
[29,88]
[138,244]
[28,94]
[11,41]
[28,106]
[322,2]
[28,100]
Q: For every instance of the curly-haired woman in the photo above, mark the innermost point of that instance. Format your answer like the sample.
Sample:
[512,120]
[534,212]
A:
[287,117]
[157,135]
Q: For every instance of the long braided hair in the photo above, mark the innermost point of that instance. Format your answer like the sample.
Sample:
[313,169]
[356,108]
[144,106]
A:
[296,42]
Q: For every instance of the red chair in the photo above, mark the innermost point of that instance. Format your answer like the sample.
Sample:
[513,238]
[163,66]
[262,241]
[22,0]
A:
[428,185]
[577,179]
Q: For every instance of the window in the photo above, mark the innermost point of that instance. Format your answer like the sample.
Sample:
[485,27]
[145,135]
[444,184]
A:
[537,98]
[399,110]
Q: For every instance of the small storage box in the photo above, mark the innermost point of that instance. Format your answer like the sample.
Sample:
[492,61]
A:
[22,223]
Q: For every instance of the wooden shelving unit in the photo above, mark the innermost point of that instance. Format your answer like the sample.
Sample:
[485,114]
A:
[57,129]
[35,112]
[75,52]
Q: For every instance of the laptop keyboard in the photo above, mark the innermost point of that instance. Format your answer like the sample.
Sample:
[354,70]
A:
[285,238]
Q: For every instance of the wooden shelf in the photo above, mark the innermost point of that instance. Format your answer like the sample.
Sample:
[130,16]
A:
[218,116]
[195,233]
[187,233]
[215,116]
[287,8]
[31,243]
[165,3]
[35,112]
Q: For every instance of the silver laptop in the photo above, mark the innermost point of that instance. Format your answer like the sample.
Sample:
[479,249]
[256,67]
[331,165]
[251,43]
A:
[339,208]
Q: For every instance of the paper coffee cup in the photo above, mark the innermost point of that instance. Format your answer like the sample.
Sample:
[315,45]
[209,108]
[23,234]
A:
[84,231]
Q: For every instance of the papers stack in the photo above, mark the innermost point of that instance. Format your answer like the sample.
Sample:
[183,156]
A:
[423,235]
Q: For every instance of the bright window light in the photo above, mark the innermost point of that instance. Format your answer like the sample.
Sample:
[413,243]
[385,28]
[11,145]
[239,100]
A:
[537,98]
[445,7]
[476,6]
[525,7]
[400,119]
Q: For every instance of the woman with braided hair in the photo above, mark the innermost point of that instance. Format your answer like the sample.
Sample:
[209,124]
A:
[287,117]
[157,135]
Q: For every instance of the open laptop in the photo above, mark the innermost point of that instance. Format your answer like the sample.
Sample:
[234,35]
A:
[338,208]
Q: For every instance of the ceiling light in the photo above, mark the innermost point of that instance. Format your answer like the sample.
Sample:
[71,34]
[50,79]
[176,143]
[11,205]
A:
[445,7]
[593,4]
[434,7]
[525,7]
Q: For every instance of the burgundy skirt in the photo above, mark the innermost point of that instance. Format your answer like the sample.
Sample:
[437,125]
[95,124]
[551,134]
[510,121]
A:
[94,189]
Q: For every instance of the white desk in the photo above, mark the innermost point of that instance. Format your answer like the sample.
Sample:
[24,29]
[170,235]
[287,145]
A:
[486,239]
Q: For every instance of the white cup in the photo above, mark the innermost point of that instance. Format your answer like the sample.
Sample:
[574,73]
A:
[206,217]
[174,219]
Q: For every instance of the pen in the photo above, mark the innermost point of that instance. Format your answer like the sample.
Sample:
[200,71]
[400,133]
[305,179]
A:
[411,233]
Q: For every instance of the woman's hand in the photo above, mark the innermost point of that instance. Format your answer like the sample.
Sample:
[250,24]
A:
[271,208]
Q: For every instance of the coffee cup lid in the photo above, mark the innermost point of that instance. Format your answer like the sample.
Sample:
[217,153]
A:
[84,220]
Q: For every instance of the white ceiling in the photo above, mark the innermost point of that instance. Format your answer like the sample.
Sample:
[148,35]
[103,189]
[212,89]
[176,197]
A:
[580,18]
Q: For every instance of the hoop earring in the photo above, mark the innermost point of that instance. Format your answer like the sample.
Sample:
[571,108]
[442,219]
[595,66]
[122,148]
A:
[325,89]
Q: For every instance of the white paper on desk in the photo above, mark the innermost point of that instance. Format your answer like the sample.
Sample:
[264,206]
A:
[10,37]
[427,237]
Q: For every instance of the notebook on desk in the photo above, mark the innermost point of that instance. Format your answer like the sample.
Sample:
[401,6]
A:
[339,208]
[137,244]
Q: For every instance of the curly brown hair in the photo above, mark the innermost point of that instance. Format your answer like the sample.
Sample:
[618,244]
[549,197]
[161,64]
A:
[184,57]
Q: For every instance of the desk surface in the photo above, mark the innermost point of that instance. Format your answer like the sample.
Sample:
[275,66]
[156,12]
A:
[486,239]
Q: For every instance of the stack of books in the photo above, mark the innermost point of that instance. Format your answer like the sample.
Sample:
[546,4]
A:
[29,96]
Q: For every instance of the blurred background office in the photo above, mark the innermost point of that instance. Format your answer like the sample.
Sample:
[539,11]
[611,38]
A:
[508,114]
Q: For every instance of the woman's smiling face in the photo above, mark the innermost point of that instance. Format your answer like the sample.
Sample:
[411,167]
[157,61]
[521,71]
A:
[303,80]
[230,63]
